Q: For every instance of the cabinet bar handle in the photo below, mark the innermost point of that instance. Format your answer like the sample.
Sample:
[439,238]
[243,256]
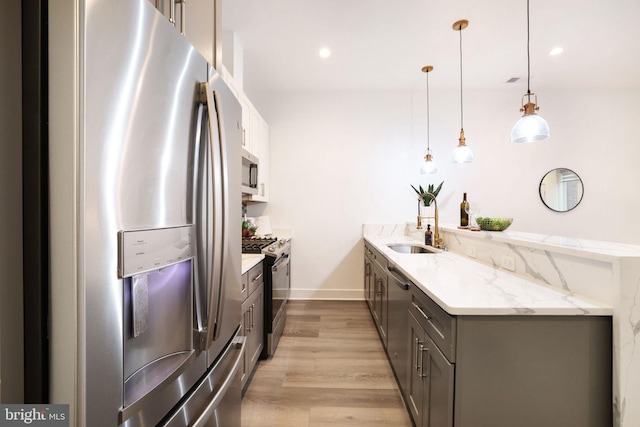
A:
[420,350]
[423,349]
[417,307]
[255,279]
[416,345]
[183,14]
[251,311]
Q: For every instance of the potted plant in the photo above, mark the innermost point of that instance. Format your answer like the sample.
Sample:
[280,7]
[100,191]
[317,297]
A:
[426,199]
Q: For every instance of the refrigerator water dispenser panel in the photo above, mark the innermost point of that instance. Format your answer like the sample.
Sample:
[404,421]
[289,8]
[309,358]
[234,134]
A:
[142,251]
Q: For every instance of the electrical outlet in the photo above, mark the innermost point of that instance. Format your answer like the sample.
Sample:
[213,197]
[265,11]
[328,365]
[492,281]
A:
[471,251]
[508,263]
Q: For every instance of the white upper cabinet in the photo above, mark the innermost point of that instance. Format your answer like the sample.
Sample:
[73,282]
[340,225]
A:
[256,135]
[247,126]
[262,134]
[255,131]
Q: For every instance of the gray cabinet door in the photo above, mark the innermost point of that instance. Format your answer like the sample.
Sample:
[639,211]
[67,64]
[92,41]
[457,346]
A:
[415,380]
[244,370]
[252,327]
[368,282]
[437,399]
[430,380]
[380,302]
[256,324]
[384,311]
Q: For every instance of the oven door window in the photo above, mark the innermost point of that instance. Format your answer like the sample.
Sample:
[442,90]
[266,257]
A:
[280,284]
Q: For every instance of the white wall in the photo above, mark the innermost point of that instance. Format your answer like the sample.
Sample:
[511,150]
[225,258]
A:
[339,160]
[11,364]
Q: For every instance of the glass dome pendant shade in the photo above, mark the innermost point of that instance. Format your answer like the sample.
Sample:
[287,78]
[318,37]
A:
[531,127]
[462,153]
[429,165]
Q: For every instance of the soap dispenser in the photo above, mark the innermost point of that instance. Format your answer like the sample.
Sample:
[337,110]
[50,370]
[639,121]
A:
[428,236]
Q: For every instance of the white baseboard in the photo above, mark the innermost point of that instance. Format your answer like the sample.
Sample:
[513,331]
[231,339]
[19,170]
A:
[328,294]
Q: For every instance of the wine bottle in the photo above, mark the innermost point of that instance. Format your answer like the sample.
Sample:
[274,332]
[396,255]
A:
[464,216]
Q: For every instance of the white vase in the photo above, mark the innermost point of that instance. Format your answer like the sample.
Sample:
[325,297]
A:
[428,211]
[428,214]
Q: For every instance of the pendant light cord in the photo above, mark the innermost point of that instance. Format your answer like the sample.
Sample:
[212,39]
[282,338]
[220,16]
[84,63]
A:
[428,127]
[528,58]
[461,113]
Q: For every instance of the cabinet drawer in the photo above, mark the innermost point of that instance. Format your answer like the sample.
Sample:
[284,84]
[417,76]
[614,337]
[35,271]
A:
[440,326]
[255,278]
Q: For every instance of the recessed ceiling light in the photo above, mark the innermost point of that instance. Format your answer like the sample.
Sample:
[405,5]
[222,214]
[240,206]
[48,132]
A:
[556,51]
[325,52]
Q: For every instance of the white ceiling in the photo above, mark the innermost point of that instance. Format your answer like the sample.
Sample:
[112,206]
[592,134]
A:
[383,44]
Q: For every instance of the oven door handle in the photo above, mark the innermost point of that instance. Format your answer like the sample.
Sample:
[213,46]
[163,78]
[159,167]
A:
[283,261]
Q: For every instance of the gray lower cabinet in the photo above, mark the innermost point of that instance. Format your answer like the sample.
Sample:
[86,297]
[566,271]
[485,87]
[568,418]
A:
[376,288]
[380,300]
[368,277]
[495,371]
[430,387]
[505,371]
[252,322]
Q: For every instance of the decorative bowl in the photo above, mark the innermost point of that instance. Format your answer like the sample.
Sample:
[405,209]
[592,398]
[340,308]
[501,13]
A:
[494,224]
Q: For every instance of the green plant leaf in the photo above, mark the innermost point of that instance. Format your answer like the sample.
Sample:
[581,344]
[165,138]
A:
[426,199]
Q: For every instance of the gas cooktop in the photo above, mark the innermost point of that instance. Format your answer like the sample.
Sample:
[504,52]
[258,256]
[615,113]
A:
[255,245]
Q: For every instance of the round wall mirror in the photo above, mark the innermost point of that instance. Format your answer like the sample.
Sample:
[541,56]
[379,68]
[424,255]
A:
[561,189]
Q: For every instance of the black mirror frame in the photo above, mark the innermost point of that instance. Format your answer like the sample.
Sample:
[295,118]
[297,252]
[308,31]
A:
[545,203]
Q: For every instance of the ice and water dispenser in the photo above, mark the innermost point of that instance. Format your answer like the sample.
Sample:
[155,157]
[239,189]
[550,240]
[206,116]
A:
[157,272]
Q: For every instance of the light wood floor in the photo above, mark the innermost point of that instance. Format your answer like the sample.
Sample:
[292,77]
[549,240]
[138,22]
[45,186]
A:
[330,369]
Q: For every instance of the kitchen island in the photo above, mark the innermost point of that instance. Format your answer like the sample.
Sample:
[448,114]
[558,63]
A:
[487,346]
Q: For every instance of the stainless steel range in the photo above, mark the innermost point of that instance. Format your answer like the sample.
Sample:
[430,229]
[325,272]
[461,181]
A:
[277,286]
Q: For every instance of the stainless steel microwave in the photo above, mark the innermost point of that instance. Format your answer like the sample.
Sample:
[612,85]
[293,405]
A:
[249,173]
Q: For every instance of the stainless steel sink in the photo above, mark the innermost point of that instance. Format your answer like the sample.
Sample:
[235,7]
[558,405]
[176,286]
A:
[414,249]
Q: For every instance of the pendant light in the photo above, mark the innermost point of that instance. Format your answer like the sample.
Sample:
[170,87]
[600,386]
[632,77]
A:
[531,127]
[462,153]
[429,165]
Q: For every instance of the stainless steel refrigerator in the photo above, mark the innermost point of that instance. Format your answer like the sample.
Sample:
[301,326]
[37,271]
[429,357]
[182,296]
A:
[144,244]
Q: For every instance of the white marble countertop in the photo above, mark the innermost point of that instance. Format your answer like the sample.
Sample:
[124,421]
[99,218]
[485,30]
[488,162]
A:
[465,287]
[250,260]
[593,249]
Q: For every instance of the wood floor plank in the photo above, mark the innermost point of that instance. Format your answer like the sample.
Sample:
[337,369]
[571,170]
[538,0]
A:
[330,369]
[358,417]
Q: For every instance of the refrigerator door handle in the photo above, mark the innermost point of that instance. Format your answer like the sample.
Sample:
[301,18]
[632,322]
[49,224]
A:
[224,202]
[200,273]
[214,255]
